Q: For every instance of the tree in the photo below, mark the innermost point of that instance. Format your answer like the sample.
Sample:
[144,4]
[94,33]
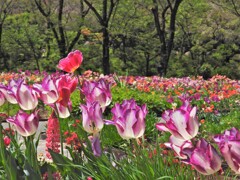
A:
[104,19]
[165,35]
[5,10]
[59,24]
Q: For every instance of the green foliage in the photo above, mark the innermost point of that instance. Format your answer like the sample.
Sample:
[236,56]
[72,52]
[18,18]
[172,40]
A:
[155,102]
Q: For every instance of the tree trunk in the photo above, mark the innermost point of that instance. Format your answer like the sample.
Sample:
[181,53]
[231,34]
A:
[105,49]
[165,41]
[105,44]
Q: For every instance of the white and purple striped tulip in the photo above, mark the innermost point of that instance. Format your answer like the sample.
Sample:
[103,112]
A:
[10,90]
[178,145]
[92,117]
[2,98]
[129,119]
[26,97]
[47,91]
[204,158]
[229,145]
[181,123]
[97,91]
[25,124]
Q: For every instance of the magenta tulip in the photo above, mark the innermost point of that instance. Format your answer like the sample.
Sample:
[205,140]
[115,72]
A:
[92,117]
[181,123]
[97,91]
[178,145]
[71,62]
[229,145]
[204,158]
[25,124]
[26,97]
[47,91]
[129,119]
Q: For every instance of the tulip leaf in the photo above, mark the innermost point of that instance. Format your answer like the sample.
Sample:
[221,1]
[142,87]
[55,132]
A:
[30,173]
[65,165]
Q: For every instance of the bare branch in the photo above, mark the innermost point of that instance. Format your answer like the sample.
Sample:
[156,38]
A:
[95,11]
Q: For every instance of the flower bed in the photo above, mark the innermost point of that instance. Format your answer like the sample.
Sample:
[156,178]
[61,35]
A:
[114,126]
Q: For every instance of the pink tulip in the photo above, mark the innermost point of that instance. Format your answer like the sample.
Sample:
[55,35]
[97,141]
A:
[25,124]
[129,119]
[97,91]
[26,97]
[92,117]
[66,85]
[71,62]
[178,145]
[229,145]
[204,158]
[47,91]
[181,123]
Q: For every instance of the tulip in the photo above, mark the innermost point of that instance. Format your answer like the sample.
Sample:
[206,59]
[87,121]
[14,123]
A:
[71,62]
[66,85]
[229,145]
[97,91]
[92,117]
[178,145]
[62,111]
[129,119]
[204,158]
[47,91]
[2,98]
[25,124]
[26,97]
[9,91]
[181,123]
[96,146]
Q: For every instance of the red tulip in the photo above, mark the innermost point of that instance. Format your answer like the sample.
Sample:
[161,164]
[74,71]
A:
[71,62]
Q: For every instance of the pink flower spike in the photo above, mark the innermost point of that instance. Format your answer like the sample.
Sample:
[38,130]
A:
[53,135]
[71,62]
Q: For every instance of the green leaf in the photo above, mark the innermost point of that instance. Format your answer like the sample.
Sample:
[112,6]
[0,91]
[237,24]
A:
[29,172]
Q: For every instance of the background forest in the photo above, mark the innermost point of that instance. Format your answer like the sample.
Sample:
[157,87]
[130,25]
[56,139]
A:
[135,37]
